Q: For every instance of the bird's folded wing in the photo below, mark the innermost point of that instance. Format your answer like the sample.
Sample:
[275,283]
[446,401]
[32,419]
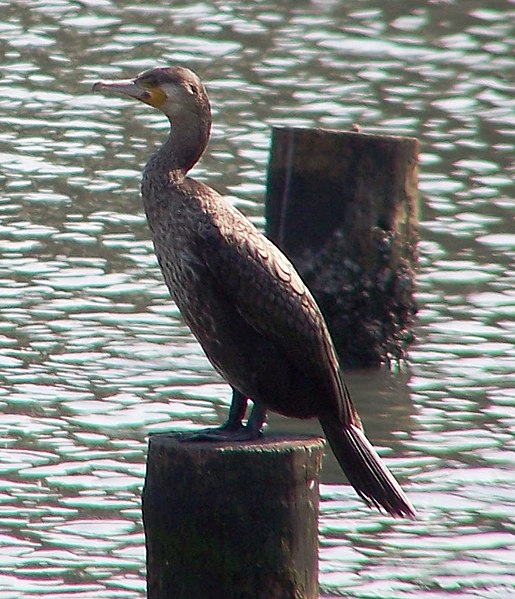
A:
[269,294]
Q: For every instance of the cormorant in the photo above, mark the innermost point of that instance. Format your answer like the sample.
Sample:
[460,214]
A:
[241,297]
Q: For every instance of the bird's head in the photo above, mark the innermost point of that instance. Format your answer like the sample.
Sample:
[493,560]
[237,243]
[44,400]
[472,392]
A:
[175,91]
[180,95]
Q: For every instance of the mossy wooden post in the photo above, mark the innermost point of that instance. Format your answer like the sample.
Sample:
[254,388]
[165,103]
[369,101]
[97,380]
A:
[232,520]
[343,207]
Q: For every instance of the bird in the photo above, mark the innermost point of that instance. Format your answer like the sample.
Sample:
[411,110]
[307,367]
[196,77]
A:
[242,298]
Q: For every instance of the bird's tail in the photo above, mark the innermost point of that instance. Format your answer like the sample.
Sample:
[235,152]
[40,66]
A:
[365,470]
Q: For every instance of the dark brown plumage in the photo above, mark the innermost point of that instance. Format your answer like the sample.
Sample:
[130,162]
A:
[243,300]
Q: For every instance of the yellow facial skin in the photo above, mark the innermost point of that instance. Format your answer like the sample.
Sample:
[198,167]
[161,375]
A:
[154,96]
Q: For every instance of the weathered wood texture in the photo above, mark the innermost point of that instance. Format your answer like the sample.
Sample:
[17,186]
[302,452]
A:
[343,207]
[232,521]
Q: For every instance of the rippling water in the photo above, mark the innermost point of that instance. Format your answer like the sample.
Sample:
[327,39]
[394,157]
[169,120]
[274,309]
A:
[94,356]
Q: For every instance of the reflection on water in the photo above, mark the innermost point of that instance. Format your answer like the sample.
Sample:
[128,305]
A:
[93,354]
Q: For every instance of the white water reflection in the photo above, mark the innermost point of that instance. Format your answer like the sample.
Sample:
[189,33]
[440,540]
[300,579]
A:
[94,356]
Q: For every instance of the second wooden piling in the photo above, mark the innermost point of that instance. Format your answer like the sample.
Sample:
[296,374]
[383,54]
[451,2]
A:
[343,207]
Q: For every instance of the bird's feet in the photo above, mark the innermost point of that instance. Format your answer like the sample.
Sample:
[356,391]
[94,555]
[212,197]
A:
[223,433]
[234,429]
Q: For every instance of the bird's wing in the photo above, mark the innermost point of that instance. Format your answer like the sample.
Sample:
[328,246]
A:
[269,294]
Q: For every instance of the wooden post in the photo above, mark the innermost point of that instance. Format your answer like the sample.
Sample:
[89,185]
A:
[342,206]
[232,520]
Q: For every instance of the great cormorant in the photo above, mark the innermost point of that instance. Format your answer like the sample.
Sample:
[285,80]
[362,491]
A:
[241,297]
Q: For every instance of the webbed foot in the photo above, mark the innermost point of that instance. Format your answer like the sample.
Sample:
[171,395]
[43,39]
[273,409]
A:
[223,433]
[233,429]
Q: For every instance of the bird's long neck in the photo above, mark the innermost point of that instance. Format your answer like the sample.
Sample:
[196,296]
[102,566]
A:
[185,145]
[167,168]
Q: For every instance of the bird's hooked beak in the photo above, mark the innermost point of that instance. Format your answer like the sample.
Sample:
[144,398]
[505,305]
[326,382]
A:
[133,89]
